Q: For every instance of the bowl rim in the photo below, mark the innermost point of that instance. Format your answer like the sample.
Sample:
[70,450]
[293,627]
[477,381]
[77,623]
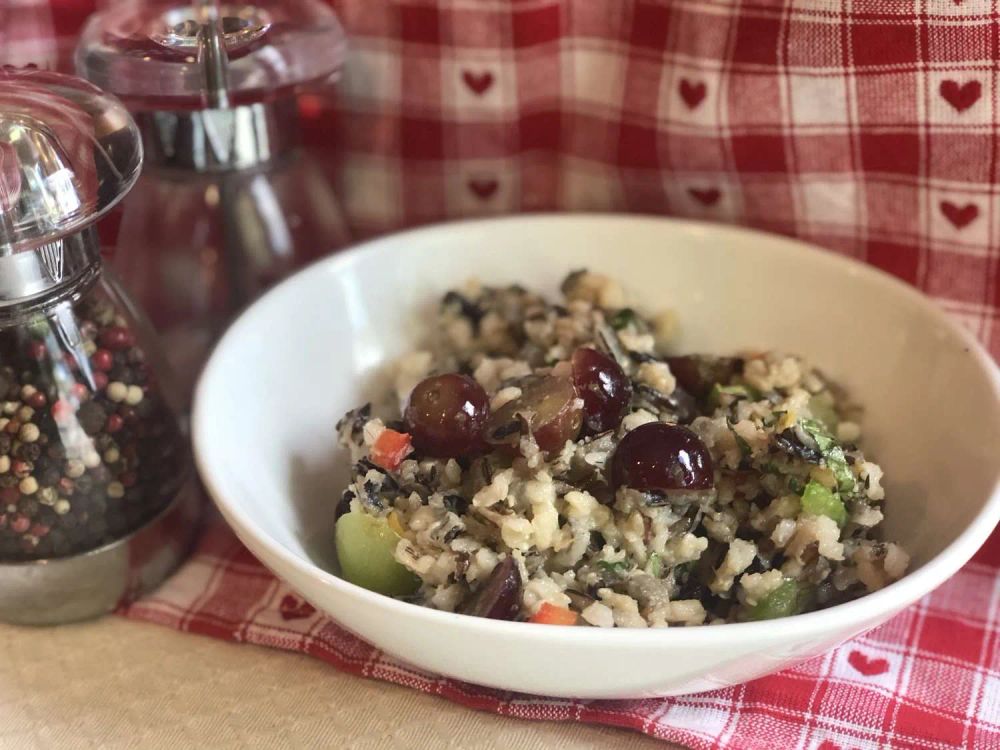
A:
[853,614]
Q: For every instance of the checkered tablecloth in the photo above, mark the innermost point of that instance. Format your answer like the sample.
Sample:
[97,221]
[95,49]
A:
[867,127]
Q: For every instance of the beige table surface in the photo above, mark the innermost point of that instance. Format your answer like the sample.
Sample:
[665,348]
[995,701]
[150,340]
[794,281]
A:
[121,684]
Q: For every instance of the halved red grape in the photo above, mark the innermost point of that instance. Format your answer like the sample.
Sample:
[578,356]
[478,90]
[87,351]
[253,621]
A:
[446,415]
[499,597]
[659,456]
[604,388]
[547,408]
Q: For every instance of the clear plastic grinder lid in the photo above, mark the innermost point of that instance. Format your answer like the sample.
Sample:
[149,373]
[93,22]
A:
[68,153]
[152,53]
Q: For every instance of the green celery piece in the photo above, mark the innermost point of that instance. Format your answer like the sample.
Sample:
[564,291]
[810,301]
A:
[365,550]
[790,598]
[832,453]
[821,501]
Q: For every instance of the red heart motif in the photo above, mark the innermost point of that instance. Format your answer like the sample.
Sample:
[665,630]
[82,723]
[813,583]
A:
[959,217]
[707,197]
[292,608]
[477,82]
[866,666]
[961,97]
[484,188]
[692,93]
[827,745]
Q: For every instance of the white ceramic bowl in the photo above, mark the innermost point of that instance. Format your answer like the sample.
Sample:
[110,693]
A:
[307,351]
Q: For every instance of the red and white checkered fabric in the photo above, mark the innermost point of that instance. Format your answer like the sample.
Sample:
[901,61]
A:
[868,127]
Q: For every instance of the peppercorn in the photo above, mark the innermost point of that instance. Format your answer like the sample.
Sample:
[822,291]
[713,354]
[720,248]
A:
[117,391]
[61,411]
[20,524]
[49,477]
[114,423]
[86,461]
[91,417]
[27,451]
[102,360]
[116,338]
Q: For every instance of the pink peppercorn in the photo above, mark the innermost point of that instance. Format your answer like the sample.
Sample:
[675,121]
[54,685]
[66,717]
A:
[114,423]
[61,411]
[102,359]
[19,524]
[37,400]
[116,338]
[100,380]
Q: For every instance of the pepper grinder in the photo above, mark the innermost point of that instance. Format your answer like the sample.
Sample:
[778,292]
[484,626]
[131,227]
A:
[97,501]
[228,203]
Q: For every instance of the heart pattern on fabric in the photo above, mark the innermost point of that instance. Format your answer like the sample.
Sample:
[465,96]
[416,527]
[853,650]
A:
[692,93]
[706,197]
[961,97]
[867,667]
[959,217]
[478,83]
[483,188]
[293,608]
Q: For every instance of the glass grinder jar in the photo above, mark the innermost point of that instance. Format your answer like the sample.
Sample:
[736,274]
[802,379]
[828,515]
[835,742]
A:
[227,203]
[95,502]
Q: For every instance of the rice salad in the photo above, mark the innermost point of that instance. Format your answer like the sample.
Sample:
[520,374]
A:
[550,462]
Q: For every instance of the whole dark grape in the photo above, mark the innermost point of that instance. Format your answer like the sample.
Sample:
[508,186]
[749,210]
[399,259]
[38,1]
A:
[446,415]
[604,388]
[659,456]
